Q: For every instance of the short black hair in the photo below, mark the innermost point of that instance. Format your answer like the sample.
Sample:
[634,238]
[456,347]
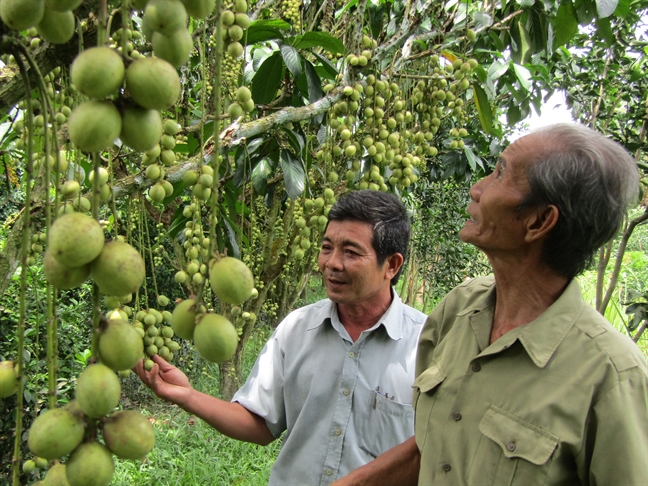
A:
[388,217]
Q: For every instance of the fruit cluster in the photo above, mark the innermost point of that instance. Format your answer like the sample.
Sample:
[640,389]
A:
[53,19]
[73,430]
[234,24]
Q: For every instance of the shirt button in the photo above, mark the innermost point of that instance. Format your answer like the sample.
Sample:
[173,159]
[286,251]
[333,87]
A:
[476,367]
[510,446]
[351,354]
[456,416]
[446,467]
[329,471]
[346,392]
[338,431]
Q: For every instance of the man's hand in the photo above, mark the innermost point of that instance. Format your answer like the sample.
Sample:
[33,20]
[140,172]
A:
[166,381]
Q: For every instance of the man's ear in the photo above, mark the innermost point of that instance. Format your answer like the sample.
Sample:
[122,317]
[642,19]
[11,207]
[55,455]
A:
[541,221]
[393,265]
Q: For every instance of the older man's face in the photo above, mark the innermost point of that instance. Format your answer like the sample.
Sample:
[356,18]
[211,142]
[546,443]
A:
[494,224]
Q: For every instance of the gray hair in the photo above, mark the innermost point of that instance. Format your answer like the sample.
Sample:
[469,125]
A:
[592,180]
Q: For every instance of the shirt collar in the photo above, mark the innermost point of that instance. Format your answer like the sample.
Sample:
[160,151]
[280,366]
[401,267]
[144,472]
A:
[542,336]
[391,319]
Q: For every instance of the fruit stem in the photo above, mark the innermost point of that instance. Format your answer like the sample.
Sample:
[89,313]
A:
[29,169]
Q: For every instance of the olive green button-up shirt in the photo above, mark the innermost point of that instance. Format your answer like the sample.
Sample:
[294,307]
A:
[561,400]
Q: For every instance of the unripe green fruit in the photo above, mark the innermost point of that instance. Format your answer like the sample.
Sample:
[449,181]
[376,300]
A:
[227,18]
[97,390]
[29,466]
[157,193]
[22,14]
[119,269]
[243,94]
[56,476]
[234,110]
[215,338]
[240,6]
[94,125]
[76,239]
[129,434]
[56,27]
[199,9]
[183,319]
[153,172]
[235,49]
[141,128]
[165,16]
[235,32]
[90,463]
[62,276]
[120,346]
[168,158]
[174,48]
[8,379]
[98,72]
[55,433]
[153,83]
[62,5]
[231,280]
[243,20]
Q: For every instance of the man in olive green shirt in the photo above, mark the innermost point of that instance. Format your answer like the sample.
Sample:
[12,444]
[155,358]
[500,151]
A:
[519,382]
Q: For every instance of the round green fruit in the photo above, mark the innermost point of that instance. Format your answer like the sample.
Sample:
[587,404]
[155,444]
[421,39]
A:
[76,239]
[165,16]
[8,379]
[215,338]
[183,319]
[153,83]
[94,125]
[141,128]
[55,433]
[120,346]
[129,434]
[174,48]
[119,269]
[90,464]
[62,5]
[97,391]
[231,280]
[61,276]
[22,14]
[98,72]
[56,476]
[56,27]
[199,9]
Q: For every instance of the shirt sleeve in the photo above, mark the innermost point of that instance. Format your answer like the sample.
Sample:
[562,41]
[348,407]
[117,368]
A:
[617,437]
[263,391]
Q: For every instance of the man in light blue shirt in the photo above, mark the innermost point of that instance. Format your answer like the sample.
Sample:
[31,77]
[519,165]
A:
[336,375]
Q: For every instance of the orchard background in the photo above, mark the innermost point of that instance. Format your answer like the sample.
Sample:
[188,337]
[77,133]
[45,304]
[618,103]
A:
[266,112]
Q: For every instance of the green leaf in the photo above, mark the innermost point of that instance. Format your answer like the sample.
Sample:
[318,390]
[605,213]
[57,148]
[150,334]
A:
[497,70]
[177,223]
[347,6]
[294,174]
[523,75]
[522,46]
[605,8]
[292,59]
[376,18]
[565,25]
[260,175]
[296,139]
[327,65]
[321,39]
[483,109]
[315,91]
[267,79]
[257,33]
[623,8]
[525,3]
[604,31]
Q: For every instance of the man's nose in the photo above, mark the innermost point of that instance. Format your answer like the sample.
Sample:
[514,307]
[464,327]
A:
[335,260]
[476,190]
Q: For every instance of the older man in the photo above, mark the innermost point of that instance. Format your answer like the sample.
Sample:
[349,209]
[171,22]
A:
[520,382]
[335,376]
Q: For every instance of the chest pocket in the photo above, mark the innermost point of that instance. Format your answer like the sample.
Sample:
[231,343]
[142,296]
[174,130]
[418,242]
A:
[425,388]
[386,424]
[524,449]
